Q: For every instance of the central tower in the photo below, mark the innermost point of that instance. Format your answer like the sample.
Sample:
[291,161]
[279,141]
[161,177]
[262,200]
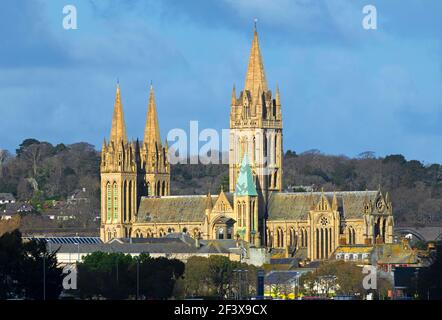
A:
[256,128]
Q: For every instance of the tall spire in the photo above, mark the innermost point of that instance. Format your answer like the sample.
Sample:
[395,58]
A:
[255,76]
[152,130]
[118,131]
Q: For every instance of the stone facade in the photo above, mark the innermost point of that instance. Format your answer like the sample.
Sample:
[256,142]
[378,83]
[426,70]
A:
[135,184]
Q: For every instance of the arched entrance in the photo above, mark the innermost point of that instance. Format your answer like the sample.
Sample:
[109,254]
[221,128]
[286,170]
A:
[223,228]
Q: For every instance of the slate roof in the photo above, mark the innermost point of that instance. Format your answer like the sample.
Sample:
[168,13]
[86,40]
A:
[168,247]
[280,277]
[227,244]
[354,249]
[395,253]
[7,197]
[213,247]
[148,245]
[282,205]
[66,240]
[296,205]
[173,209]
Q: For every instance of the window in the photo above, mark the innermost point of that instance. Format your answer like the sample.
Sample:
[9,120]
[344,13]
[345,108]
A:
[220,233]
[115,201]
[239,214]
[108,202]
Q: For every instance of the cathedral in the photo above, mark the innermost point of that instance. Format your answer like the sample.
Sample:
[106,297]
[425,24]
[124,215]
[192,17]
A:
[136,199]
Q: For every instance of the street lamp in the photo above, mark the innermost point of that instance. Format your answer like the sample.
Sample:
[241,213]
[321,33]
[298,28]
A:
[44,276]
[78,248]
[138,276]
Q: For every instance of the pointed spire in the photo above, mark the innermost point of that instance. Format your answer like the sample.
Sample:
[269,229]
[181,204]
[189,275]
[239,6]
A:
[334,202]
[233,102]
[245,185]
[209,203]
[118,131]
[152,130]
[255,76]
[277,98]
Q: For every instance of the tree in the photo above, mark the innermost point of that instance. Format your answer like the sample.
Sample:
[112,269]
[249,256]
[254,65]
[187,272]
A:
[430,278]
[39,265]
[347,279]
[220,270]
[114,276]
[216,277]
[196,279]
[4,157]
[367,155]
[23,266]
[26,143]
[158,276]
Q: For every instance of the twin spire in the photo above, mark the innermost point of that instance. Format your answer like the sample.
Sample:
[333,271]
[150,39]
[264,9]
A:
[151,131]
[118,131]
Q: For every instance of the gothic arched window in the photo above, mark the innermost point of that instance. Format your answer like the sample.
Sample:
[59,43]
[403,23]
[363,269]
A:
[129,204]
[124,202]
[158,189]
[108,202]
[239,214]
[115,201]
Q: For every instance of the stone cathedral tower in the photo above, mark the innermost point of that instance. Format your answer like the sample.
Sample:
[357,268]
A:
[256,128]
[256,131]
[154,163]
[130,171]
[119,168]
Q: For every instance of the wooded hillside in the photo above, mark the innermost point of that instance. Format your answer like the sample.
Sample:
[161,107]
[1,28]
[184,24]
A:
[40,171]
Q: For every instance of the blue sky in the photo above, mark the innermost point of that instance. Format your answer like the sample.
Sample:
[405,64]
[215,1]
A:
[344,89]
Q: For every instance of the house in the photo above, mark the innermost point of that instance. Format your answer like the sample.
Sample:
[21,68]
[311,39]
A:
[355,253]
[16,208]
[6,198]
[78,196]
